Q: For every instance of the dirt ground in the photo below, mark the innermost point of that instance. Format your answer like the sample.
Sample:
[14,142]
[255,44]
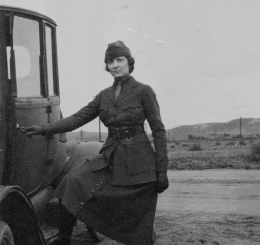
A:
[203,207]
[210,207]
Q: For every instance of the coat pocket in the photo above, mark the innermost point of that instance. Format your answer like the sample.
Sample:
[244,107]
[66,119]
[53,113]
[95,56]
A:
[133,112]
[140,155]
[98,162]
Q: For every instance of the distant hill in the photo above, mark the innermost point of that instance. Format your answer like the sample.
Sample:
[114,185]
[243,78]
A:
[90,136]
[250,126]
[86,136]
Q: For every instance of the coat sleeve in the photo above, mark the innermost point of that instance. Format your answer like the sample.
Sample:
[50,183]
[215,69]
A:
[83,116]
[152,112]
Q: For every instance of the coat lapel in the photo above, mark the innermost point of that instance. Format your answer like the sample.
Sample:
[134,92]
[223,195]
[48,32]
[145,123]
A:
[111,94]
[127,90]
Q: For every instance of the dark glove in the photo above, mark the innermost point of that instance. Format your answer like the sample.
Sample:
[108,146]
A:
[34,130]
[162,182]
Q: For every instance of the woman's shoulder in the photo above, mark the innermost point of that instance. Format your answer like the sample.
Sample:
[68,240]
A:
[139,85]
[134,83]
[106,90]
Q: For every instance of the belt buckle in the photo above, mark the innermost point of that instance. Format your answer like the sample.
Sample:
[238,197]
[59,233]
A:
[129,138]
[116,134]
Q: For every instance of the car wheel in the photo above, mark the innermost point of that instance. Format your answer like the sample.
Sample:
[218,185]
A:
[6,236]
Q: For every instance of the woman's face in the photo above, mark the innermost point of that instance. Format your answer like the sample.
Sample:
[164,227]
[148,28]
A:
[118,67]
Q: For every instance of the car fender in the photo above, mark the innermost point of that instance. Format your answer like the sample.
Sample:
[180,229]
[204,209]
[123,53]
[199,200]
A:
[17,211]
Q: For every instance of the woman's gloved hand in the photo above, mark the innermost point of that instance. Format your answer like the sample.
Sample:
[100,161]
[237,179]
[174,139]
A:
[162,182]
[34,130]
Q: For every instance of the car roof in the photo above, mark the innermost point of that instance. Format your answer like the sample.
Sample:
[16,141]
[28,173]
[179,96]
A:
[26,12]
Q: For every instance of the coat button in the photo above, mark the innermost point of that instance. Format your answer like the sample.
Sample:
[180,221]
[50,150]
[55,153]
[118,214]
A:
[92,191]
[101,182]
[82,203]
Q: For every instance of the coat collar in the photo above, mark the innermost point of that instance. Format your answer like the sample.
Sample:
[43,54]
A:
[123,81]
[126,91]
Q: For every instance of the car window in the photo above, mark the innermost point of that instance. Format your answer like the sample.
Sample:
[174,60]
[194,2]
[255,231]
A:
[26,44]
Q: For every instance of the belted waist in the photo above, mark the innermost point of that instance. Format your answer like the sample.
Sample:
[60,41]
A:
[125,131]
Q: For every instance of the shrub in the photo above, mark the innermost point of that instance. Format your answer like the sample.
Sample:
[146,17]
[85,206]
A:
[172,146]
[185,145]
[217,143]
[195,147]
[254,151]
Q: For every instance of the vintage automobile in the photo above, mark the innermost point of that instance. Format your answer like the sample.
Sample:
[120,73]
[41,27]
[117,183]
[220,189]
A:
[29,95]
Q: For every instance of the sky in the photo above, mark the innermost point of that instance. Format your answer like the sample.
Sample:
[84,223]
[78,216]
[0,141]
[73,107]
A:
[201,57]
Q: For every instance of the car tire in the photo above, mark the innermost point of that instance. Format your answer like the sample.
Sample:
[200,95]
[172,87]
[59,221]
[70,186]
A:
[6,236]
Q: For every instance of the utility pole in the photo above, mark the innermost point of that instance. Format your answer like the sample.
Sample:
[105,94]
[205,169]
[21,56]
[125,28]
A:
[240,127]
[145,127]
[99,130]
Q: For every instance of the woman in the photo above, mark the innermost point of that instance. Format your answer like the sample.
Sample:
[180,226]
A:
[116,192]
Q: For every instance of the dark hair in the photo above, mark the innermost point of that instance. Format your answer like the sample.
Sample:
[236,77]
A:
[131,62]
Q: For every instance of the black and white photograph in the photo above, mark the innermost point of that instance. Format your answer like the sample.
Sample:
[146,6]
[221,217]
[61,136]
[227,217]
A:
[130,122]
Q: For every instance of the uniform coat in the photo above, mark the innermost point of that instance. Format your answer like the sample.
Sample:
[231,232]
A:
[135,161]
[125,165]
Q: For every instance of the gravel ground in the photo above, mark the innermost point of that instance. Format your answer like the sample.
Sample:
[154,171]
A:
[217,207]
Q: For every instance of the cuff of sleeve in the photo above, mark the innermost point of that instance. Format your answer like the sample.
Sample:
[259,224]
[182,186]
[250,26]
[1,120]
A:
[44,130]
[164,172]
[162,166]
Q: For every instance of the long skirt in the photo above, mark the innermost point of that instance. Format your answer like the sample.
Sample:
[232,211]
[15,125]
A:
[123,213]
